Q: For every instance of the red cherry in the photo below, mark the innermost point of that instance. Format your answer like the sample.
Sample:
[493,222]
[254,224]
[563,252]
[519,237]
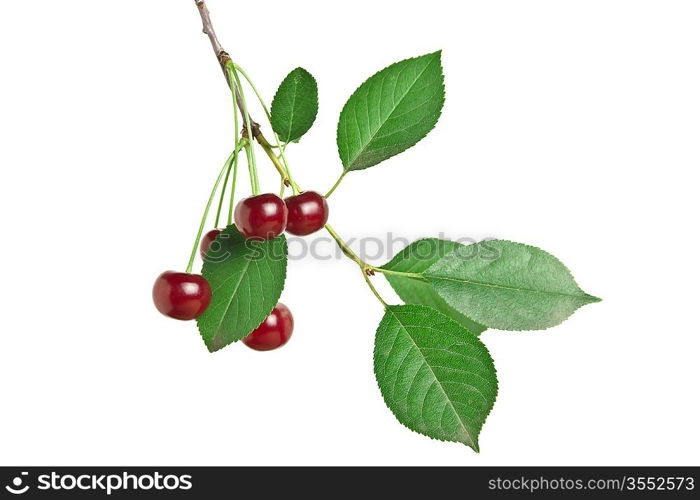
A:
[207,240]
[181,295]
[274,332]
[261,217]
[308,212]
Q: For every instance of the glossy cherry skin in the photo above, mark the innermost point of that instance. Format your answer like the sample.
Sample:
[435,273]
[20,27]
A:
[274,332]
[308,212]
[261,217]
[181,295]
[207,240]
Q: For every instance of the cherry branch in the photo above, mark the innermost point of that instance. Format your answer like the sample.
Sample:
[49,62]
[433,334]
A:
[224,59]
[221,55]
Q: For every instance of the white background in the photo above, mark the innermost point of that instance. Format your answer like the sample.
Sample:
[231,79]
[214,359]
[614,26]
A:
[572,126]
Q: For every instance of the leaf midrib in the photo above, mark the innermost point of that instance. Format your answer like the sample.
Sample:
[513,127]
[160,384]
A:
[437,380]
[582,295]
[291,114]
[369,141]
[244,270]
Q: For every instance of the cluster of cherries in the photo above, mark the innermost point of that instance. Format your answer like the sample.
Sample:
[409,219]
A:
[186,296]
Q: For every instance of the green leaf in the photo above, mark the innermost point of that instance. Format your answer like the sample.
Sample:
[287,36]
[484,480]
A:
[246,279]
[507,285]
[391,111]
[436,377]
[416,258]
[295,105]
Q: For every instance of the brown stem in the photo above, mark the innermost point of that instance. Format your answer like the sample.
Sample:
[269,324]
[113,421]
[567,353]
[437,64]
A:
[222,56]
[208,30]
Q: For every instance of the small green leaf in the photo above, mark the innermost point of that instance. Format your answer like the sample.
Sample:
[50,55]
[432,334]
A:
[391,111]
[507,285]
[246,279]
[436,377]
[295,105]
[416,258]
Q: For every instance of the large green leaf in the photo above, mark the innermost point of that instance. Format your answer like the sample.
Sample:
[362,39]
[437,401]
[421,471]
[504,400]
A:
[246,278]
[416,258]
[436,377]
[507,285]
[295,105]
[391,111]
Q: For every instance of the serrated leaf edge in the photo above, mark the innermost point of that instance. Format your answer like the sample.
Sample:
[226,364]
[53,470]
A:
[590,299]
[343,111]
[289,132]
[284,280]
[475,446]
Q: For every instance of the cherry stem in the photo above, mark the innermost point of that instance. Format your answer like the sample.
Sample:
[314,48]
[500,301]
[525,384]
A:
[238,140]
[283,170]
[337,183]
[254,185]
[206,211]
[233,188]
[231,167]
[250,133]
[221,198]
